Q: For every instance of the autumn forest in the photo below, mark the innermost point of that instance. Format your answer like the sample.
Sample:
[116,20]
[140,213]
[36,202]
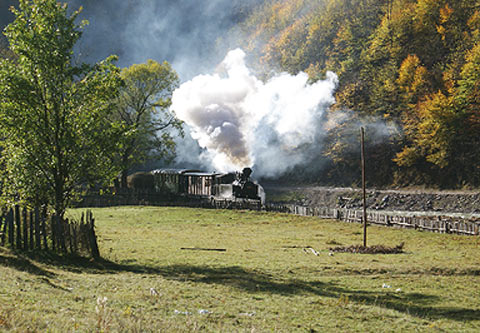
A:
[413,65]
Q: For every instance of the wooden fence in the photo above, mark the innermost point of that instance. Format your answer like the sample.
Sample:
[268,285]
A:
[28,230]
[441,224]
[154,199]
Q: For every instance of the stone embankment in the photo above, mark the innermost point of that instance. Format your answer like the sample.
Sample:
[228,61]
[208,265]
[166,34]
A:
[418,201]
[443,212]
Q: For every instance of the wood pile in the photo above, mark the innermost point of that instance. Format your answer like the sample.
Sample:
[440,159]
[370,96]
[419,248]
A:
[374,249]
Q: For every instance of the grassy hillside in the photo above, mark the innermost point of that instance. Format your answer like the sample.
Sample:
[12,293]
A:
[264,281]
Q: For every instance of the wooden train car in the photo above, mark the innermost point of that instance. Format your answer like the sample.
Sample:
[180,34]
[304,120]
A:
[198,184]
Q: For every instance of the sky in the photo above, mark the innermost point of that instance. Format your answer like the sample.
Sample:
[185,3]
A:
[193,35]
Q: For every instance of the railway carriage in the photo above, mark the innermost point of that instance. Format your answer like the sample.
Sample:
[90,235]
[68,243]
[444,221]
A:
[196,184]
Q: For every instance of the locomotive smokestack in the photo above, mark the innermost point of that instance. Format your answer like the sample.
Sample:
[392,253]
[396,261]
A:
[246,173]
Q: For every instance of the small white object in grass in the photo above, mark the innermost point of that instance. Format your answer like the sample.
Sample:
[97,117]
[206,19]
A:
[153,292]
[102,300]
[181,312]
[330,254]
[386,285]
[398,290]
[101,304]
[203,311]
[247,314]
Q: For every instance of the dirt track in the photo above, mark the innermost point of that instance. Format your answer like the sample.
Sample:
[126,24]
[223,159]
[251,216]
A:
[465,202]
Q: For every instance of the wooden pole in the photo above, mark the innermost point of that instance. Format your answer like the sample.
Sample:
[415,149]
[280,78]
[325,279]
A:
[11,229]
[43,221]
[4,231]
[362,131]
[61,233]
[54,232]
[93,237]
[18,222]
[38,245]
[25,228]
[32,228]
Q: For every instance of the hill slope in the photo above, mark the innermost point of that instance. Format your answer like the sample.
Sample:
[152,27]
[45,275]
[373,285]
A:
[413,64]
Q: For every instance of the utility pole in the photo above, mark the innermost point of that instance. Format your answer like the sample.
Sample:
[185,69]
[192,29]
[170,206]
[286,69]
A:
[362,139]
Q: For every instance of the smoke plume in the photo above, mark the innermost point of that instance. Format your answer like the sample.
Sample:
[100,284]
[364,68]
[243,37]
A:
[188,34]
[242,121]
[191,35]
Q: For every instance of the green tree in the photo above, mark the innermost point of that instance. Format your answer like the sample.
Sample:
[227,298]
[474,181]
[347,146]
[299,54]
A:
[412,63]
[412,82]
[468,102]
[143,109]
[5,51]
[53,112]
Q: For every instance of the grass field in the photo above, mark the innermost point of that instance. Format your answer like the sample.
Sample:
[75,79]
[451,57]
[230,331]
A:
[264,281]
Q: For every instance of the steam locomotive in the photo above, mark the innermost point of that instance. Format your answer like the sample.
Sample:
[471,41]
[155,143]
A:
[199,185]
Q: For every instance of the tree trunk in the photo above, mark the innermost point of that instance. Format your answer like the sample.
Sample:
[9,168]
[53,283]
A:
[123,179]
[125,167]
[59,205]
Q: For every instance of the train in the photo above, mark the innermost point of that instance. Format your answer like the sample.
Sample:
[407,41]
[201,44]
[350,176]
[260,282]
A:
[196,184]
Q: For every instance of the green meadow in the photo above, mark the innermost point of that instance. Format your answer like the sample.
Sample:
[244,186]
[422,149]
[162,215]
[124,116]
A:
[187,270]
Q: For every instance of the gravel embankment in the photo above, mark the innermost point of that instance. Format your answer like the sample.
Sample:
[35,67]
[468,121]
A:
[418,201]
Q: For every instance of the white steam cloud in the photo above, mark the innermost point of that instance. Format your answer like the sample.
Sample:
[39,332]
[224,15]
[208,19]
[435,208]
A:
[242,121]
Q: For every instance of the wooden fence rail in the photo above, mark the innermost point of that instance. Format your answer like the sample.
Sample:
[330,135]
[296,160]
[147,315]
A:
[27,230]
[441,224]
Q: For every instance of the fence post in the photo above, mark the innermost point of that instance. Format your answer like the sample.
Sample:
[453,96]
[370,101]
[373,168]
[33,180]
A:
[43,222]
[37,229]
[68,234]
[54,232]
[364,194]
[18,244]
[83,235]
[92,236]
[4,232]
[31,230]
[11,227]
[61,233]
[74,234]
[25,229]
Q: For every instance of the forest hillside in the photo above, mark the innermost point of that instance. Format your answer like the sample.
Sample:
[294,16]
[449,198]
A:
[411,65]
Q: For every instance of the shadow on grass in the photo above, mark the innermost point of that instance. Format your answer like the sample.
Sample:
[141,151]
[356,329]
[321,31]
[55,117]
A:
[255,281]
[24,264]
[416,304]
